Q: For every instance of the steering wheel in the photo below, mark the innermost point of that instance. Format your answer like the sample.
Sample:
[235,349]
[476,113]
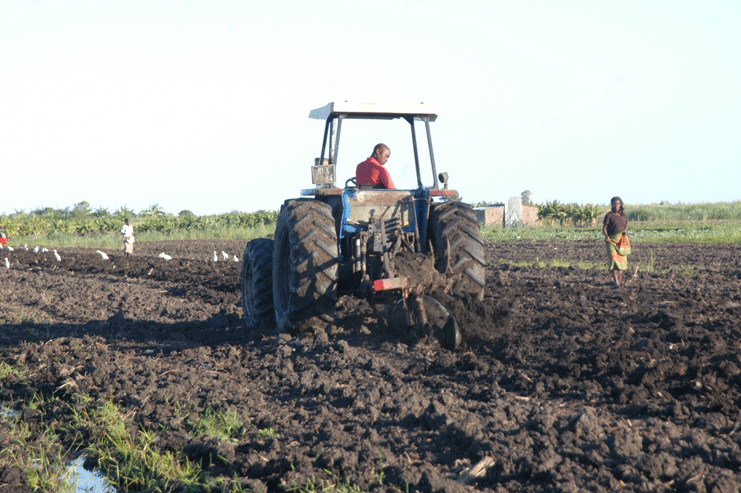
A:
[351,181]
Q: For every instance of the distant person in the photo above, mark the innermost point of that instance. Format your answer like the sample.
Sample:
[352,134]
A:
[615,226]
[372,170]
[127,233]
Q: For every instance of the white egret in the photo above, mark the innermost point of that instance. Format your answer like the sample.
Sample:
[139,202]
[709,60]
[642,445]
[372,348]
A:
[56,255]
[102,254]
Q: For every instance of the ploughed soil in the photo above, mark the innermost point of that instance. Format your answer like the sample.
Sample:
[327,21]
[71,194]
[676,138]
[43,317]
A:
[562,382]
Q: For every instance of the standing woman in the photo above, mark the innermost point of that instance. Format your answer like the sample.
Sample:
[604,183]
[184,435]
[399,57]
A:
[615,225]
[127,232]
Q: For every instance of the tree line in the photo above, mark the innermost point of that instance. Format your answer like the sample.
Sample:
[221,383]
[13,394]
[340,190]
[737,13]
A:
[82,219]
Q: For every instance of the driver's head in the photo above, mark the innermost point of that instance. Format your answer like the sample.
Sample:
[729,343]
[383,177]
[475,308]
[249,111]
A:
[381,153]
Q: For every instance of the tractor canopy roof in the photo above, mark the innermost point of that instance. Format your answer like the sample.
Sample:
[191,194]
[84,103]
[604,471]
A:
[418,111]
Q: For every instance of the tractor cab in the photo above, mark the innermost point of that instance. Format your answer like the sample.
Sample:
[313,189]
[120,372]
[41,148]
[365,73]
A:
[364,213]
[334,114]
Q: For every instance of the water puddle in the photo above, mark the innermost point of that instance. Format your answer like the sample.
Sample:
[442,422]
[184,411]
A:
[7,412]
[84,481]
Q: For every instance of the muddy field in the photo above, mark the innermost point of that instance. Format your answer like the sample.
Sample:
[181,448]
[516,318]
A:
[562,382]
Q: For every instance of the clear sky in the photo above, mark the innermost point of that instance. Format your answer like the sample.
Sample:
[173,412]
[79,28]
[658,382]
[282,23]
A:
[203,105]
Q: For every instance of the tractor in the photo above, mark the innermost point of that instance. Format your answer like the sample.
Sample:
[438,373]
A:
[351,240]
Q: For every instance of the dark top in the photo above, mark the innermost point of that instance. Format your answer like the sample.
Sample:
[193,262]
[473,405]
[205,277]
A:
[616,223]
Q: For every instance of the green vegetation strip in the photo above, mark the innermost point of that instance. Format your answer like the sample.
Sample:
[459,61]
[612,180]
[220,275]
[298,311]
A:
[639,231]
[84,227]
[552,213]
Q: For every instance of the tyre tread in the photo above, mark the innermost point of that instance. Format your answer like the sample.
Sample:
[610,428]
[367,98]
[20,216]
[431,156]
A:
[308,227]
[257,284]
[456,236]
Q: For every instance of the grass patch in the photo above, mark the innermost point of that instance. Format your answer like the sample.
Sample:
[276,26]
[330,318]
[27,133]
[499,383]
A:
[130,461]
[18,371]
[525,233]
[647,265]
[650,264]
[560,263]
[112,241]
[654,232]
[219,423]
[553,264]
[665,212]
[685,270]
[686,232]
[40,460]
[268,432]
[329,485]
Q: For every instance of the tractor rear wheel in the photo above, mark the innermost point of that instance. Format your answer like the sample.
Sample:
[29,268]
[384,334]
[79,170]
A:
[305,265]
[257,284]
[459,248]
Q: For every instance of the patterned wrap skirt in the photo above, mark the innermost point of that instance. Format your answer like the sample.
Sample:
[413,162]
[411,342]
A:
[617,261]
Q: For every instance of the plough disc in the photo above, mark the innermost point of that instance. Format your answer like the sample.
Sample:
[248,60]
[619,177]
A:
[420,317]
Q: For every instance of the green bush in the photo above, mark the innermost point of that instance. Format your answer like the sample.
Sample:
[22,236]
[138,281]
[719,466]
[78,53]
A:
[82,220]
[570,214]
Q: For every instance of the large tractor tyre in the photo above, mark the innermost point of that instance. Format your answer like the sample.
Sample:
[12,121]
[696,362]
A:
[257,284]
[459,249]
[305,265]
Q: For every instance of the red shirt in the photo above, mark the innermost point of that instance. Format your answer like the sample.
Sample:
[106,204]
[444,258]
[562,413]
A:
[371,172]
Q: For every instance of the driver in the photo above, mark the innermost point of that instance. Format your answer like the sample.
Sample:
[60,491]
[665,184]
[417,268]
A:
[372,171]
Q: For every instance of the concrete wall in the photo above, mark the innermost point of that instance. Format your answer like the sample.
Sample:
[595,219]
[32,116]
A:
[495,215]
[529,215]
[490,215]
